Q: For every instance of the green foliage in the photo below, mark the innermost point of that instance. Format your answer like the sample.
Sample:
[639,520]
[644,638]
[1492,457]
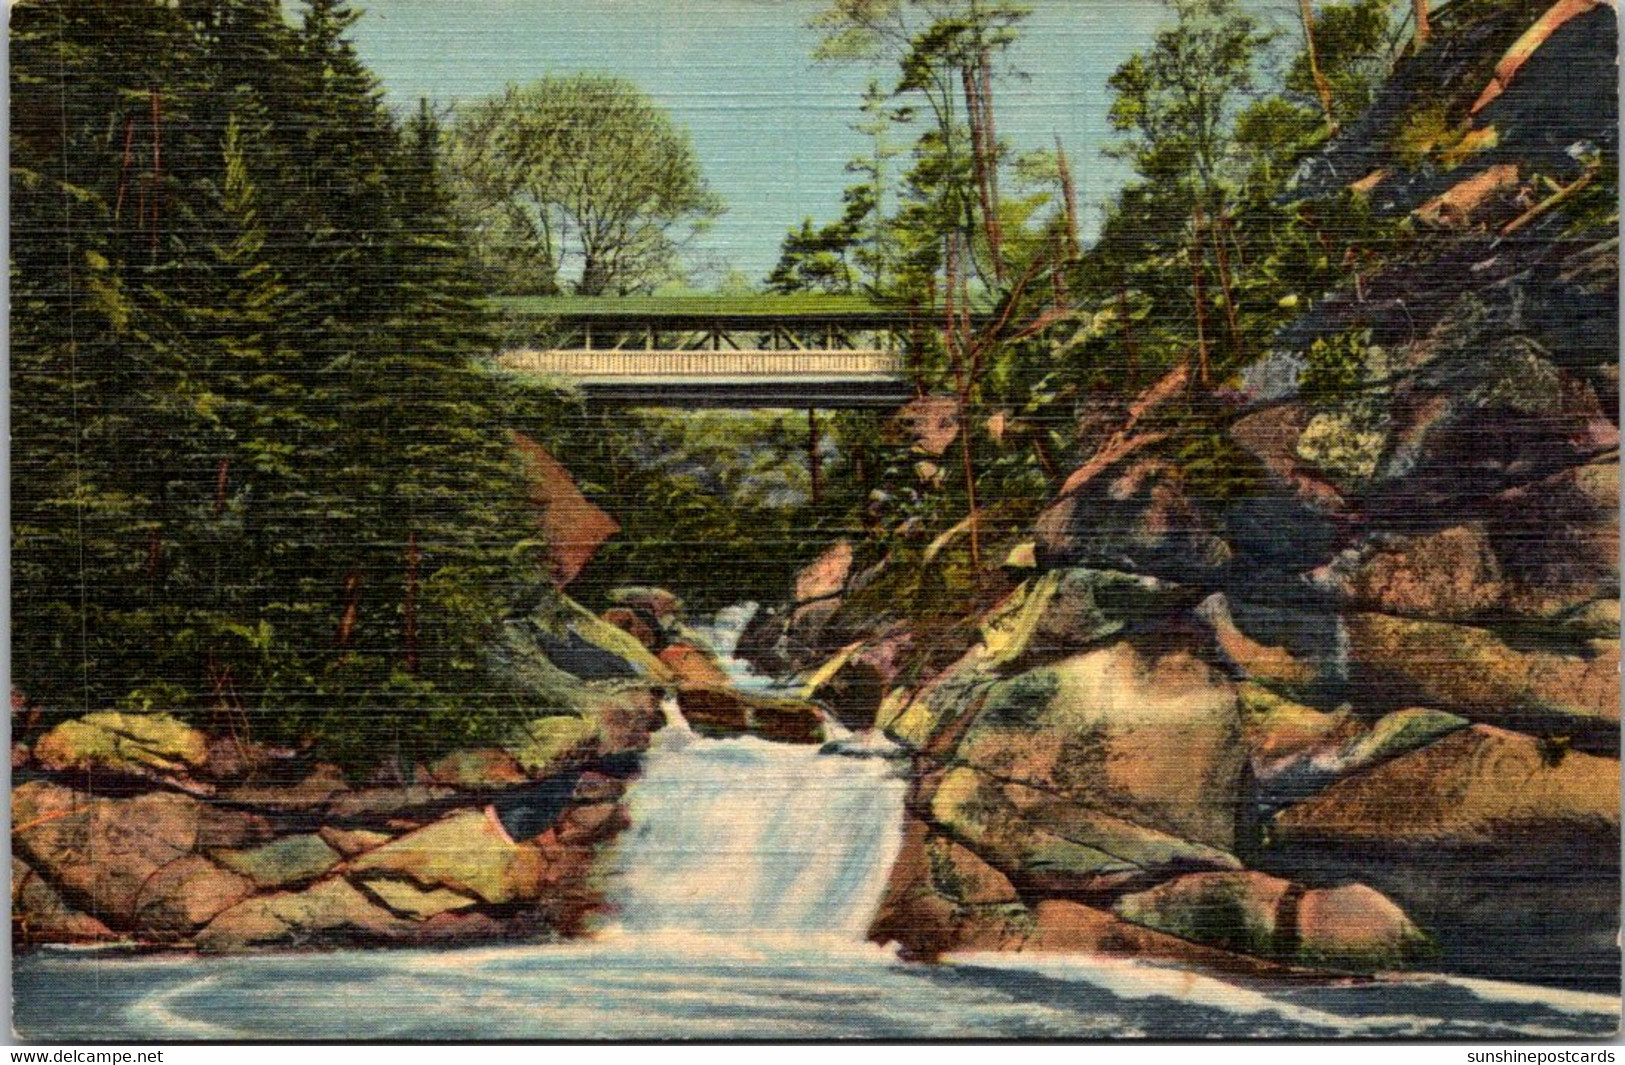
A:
[582,172]
[258,475]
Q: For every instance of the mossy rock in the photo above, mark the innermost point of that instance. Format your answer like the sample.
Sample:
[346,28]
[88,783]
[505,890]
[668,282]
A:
[545,746]
[280,863]
[111,741]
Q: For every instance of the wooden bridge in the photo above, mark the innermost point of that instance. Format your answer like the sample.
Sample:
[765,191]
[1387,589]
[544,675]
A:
[704,351]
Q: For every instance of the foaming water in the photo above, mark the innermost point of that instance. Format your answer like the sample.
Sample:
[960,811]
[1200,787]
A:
[742,896]
[742,837]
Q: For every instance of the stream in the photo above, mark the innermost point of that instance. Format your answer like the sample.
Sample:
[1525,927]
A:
[740,898]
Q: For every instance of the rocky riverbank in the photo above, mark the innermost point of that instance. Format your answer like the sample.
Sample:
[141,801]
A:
[1361,712]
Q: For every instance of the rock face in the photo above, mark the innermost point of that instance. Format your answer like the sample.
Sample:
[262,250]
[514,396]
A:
[1357,706]
[140,827]
[718,711]
[572,526]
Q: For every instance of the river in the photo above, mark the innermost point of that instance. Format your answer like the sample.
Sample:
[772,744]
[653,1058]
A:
[740,899]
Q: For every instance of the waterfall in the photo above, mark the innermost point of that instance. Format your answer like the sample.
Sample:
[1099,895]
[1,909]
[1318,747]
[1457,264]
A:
[755,840]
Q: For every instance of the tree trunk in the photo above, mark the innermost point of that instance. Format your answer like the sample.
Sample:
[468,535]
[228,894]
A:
[1199,296]
[352,610]
[1069,193]
[970,481]
[1424,30]
[1323,88]
[220,486]
[1222,258]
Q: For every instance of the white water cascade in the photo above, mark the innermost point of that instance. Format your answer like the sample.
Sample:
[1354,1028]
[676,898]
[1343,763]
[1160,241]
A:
[745,838]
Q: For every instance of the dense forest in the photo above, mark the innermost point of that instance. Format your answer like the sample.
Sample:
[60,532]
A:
[260,460]
[257,476]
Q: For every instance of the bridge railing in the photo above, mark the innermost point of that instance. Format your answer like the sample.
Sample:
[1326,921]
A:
[702,363]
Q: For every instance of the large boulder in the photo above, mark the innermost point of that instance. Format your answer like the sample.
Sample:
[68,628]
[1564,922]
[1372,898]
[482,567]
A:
[1472,672]
[572,526]
[719,711]
[1237,911]
[139,745]
[185,895]
[468,852]
[101,852]
[1150,737]
[39,913]
[1350,927]
[1050,846]
[328,914]
[1478,787]
[284,862]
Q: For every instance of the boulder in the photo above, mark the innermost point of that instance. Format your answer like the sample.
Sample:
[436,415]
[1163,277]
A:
[100,852]
[1050,846]
[185,895]
[39,913]
[547,746]
[1449,575]
[1142,519]
[1239,911]
[1351,927]
[692,665]
[1357,928]
[1480,787]
[405,899]
[139,745]
[656,603]
[1153,738]
[826,576]
[477,769]
[283,862]
[351,842]
[467,852]
[330,913]
[572,527]
[728,712]
[1064,611]
[1472,672]
[1060,927]
[633,622]
[1456,574]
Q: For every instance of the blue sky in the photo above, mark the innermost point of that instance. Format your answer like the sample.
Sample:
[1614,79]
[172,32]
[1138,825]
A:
[771,128]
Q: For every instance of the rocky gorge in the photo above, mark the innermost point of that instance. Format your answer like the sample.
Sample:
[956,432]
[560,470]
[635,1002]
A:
[1358,712]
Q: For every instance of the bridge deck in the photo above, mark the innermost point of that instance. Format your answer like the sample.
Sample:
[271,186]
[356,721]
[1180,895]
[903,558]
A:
[755,351]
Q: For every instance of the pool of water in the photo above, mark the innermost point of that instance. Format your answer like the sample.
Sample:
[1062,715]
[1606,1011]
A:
[643,986]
